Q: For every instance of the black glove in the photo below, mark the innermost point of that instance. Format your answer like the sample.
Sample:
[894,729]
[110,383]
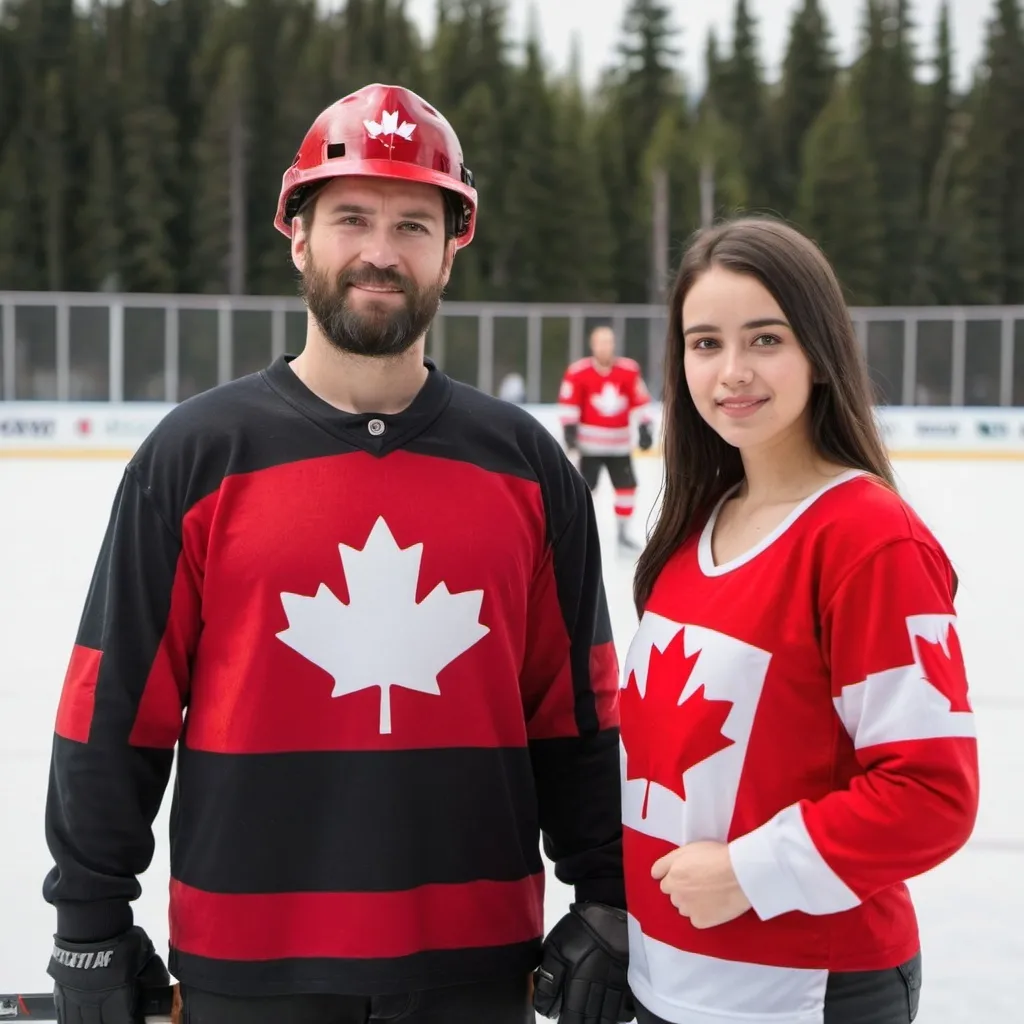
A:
[570,435]
[646,437]
[582,975]
[102,982]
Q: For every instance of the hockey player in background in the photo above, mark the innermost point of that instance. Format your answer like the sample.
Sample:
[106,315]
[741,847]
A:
[598,401]
[798,736]
[364,603]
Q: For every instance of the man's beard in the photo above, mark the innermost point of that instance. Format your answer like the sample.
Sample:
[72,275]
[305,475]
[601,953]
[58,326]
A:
[383,331]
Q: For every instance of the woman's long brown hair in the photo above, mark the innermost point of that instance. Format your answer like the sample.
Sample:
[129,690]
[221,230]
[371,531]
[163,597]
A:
[699,465]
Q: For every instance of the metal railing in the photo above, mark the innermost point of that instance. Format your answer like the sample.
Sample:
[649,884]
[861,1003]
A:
[62,346]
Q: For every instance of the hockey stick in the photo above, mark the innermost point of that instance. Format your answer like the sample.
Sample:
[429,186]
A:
[158,1004]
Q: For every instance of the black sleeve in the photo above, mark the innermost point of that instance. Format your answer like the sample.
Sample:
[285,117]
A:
[574,737]
[119,718]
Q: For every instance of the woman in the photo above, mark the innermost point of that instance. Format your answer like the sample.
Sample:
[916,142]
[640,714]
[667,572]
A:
[797,733]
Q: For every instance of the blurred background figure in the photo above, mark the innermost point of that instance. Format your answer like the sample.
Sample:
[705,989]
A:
[512,388]
[598,400]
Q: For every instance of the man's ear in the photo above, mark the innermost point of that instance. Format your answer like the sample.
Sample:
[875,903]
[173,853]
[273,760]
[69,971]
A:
[449,259]
[300,244]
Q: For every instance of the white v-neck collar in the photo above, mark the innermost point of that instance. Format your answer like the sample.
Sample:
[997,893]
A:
[705,558]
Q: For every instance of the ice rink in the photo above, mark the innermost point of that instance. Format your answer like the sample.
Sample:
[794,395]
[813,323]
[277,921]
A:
[52,515]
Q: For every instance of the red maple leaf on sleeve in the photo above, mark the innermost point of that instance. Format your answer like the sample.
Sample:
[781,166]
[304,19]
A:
[945,671]
[663,737]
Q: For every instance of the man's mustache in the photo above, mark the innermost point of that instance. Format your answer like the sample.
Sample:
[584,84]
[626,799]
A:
[375,276]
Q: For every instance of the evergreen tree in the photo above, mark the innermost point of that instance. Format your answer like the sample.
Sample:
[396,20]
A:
[740,99]
[186,27]
[618,183]
[98,222]
[582,243]
[483,268]
[142,144]
[808,76]
[262,27]
[713,68]
[147,153]
[989,194]
[11,93]
[308,42]
[838,201]
[471,76]
[937,265]
[939,104]
[52,179]
[637,94]
[17,233]
[886,91]
[532,196]
[939,270]
[649,83]
[219,250]
[671,152]
[717,149]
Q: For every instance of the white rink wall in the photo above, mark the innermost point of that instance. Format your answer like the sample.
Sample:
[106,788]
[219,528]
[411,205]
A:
[962,469]
[73,428]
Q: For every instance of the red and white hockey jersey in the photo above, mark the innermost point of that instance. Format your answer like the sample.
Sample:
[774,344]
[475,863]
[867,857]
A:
[601,402]
[807,703]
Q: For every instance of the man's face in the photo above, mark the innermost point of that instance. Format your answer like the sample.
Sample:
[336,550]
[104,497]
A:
[374,263]
[602,345]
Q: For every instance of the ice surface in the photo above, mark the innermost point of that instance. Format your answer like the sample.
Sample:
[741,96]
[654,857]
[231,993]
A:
[52,517]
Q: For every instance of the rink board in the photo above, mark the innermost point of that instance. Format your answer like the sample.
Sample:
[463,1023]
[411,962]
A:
[108,430]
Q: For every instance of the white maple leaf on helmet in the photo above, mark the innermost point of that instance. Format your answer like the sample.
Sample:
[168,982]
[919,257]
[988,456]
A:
[383,636]
[388,125]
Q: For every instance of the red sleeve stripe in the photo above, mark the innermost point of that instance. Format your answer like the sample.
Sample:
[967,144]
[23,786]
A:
[272,926]
[604,680]
[159,718]
[78,697]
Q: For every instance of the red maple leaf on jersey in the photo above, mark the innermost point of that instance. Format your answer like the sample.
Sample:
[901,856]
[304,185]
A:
[945,672]
[662,737]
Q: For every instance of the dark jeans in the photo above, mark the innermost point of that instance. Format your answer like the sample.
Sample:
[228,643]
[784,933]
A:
[860,997]
[492,1002]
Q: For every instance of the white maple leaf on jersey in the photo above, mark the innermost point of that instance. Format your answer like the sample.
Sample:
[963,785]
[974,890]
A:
[388,125]
[383,637]
[609,401]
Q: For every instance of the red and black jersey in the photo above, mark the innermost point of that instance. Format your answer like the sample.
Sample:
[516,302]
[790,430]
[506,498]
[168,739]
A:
[382,649]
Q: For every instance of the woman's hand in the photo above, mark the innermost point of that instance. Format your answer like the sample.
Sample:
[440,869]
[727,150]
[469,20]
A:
[699,880]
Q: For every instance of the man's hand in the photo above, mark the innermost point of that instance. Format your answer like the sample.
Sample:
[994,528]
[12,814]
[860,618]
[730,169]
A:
[570,430]
[582,976]
[646,438]
[699,880]
[102,982]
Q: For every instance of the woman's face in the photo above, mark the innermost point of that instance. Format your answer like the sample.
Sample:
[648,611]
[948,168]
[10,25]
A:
[747,374]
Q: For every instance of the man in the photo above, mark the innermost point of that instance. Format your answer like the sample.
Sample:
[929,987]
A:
[364,603]
[596,401]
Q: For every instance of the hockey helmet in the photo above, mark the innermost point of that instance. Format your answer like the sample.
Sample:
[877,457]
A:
[381,131]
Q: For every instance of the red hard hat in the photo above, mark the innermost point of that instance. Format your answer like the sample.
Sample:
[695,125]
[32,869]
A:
[381,131]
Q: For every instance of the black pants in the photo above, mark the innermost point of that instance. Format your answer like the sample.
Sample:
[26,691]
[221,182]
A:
[620,470]
[492,1002]
[860,997]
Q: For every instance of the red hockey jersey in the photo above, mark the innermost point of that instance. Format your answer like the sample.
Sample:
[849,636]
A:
[601,402]
[807,703]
